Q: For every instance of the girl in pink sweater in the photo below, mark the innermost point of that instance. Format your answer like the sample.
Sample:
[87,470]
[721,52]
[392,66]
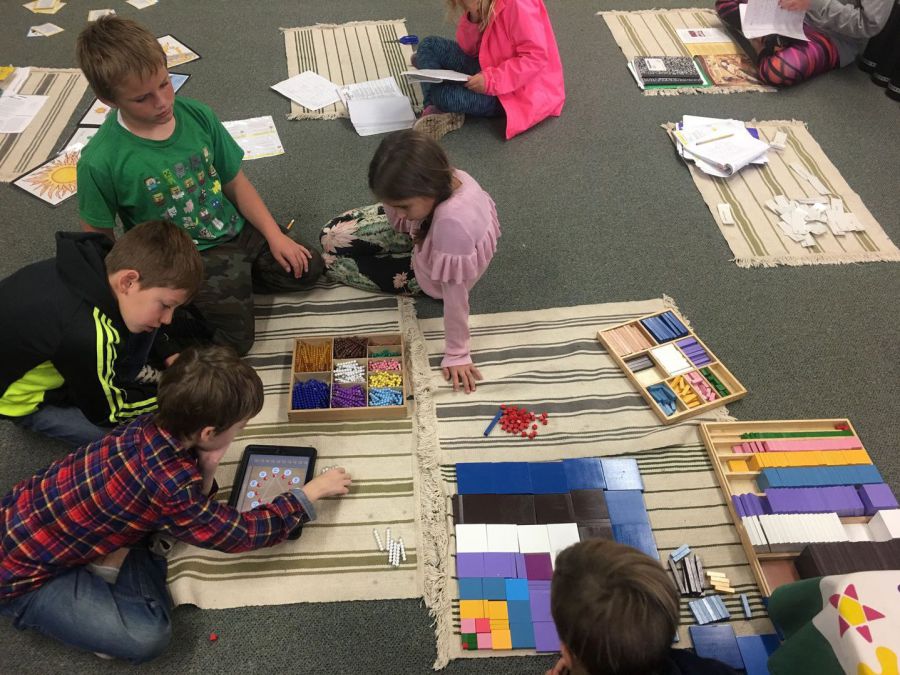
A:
[508,49]
[435,232]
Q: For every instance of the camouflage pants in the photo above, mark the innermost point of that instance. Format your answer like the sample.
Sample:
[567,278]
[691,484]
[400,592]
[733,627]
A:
[234,271]
[362,249]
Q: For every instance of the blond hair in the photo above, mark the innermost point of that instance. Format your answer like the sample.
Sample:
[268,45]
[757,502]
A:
[485,7]
[112,49]
[615,608]
[163,254]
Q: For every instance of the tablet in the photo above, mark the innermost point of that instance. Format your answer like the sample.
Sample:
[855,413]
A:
[267,471]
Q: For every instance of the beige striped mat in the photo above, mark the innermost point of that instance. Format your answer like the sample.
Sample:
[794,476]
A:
[755,239]
[336,558]
[19,153]
[348,53]
[652,32]
[549,360]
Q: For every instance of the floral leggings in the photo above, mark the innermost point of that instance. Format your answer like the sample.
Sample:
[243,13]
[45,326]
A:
[790,63]
[362,249]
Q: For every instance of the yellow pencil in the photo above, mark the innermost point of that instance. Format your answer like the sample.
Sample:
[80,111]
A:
[716,138]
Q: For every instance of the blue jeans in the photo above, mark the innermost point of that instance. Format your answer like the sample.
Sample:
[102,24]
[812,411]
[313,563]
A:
[128,620]
[66,424]
[438,52]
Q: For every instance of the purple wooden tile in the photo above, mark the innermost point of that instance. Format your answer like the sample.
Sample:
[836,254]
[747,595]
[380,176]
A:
[876,497]
[521,572]
[469,565]
[546,638]
[500,565]
[738,506]
[538,585]
[538,566]
[540,605]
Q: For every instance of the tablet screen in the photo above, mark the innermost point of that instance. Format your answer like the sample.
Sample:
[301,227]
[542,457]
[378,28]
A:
[268,476]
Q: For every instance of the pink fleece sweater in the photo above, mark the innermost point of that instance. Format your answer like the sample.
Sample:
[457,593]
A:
[457,250]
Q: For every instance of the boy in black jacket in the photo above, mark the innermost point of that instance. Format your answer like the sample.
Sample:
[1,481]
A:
[79,328]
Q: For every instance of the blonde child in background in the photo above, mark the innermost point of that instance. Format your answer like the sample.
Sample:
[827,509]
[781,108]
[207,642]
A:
[508,49]
[435,233]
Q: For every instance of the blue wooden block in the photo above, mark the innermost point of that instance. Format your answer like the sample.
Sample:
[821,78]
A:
[519,611]
[717,642]
[584,474]
[626,507]
[637,535]
[474,478]
[548,478]
[522,634]
[494,588]
[755,652]
[471,589]
[511,478]
[622,473]
[516,589]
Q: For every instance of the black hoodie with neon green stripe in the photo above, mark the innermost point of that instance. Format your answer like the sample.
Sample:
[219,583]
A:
[64,342]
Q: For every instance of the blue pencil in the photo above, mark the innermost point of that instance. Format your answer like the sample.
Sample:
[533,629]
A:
[490,427]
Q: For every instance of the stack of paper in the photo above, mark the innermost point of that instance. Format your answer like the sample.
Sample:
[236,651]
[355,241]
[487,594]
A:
[377,106]
[766,17]
[719,147]
[309,89]
[44,30]
[17,111]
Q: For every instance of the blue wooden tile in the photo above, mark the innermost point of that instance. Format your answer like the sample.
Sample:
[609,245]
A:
[584,473]
[548,478]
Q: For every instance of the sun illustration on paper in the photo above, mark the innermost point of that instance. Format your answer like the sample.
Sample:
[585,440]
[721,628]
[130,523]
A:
[56,180]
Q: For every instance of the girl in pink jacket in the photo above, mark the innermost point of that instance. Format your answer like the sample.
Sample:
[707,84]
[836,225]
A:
[509,50]
[435,233]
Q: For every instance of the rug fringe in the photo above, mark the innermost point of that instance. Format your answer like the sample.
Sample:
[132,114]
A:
[759,88]
[817,259]
[315,116]
[655,10]
[435,544]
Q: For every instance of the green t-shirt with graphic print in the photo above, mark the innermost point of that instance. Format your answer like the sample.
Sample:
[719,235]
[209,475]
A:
[178,179]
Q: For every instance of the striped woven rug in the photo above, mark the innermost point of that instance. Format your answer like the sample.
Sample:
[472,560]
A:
[346,54]
[652,32]
[549,360]
[336,558]
[19,153]
[755,239]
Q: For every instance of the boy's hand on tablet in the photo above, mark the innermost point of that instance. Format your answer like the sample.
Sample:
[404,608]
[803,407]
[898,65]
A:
[463,377]
[332,483]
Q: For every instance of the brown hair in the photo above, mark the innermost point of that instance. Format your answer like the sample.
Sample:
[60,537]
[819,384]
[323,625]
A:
[615,608]
[162,253]
[486,7]
[410,164]
[112,49]
[207,387]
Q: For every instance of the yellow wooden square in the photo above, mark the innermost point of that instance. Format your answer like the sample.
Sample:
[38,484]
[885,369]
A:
[499,624]
[471,609]
[501,639]
[497,610]
[736,465]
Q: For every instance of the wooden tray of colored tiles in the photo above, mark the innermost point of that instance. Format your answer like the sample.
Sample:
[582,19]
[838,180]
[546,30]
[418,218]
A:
[674,370]
[348,377]
[743,455]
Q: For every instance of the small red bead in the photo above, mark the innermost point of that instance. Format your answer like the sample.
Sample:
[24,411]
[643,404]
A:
[534,426]
[213,637]
[524,434]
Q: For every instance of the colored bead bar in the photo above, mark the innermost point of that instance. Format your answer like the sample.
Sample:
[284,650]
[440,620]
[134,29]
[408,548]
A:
[384,364]
[310,394]
[350,348]
[383,353]
[383,378]
[383,396]
[348,396]
[312,358]
[350,372]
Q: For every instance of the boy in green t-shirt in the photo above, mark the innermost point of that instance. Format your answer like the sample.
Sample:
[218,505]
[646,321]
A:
[158,156]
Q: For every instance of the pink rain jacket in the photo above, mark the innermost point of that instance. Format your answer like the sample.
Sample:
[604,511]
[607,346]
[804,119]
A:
[520,61]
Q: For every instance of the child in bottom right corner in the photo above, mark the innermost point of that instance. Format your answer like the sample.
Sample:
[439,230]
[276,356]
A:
[616,611]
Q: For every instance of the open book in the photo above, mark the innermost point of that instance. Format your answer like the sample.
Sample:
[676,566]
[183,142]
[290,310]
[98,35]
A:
[435,75]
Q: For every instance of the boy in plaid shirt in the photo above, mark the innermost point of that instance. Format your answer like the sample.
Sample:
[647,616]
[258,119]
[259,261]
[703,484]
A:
[154,474]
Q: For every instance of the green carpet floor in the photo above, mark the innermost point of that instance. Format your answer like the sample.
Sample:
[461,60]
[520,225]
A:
[595,207]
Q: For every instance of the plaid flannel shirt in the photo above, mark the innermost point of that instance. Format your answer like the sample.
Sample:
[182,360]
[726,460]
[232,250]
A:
[113,492]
